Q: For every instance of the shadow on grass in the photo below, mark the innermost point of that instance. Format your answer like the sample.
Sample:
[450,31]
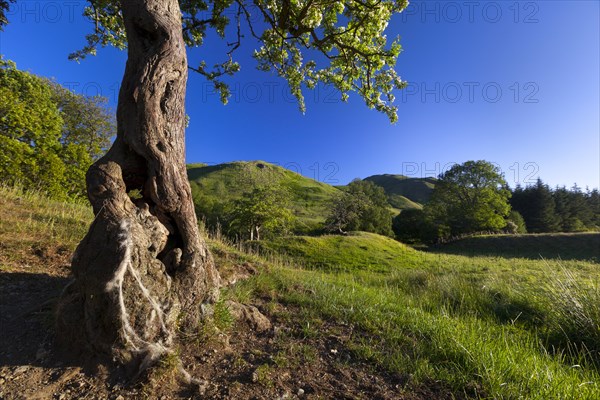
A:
[564,246]
[27,317]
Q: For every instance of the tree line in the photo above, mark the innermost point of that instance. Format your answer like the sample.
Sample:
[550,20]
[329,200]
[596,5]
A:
[470,198]
[474,198]
[557,210]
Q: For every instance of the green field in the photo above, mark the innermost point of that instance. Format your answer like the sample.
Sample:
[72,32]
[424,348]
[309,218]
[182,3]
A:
[464,325]
[564,246]
[485,326]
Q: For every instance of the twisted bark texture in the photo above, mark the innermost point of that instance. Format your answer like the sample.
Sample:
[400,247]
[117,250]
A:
[143,271]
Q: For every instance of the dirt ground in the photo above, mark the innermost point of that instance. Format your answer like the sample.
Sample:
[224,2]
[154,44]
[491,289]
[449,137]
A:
[281,362]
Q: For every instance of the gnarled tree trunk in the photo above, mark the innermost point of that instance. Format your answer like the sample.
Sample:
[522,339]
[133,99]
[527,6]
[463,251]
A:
[143,269]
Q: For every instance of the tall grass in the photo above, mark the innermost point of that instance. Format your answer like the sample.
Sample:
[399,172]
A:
[31,222]
[573,322]
[484,327]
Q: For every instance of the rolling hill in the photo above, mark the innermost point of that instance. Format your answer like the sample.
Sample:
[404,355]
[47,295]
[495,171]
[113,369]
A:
[404,192]
[216,185]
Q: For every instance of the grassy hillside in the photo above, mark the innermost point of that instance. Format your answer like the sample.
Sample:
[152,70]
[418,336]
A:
[34,228]
[357,251]
[565,246]
[357,316]
[214,186]
[484,327]
[404,192]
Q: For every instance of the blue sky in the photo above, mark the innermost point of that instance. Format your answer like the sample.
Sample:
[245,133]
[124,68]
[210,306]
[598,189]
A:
[516,83]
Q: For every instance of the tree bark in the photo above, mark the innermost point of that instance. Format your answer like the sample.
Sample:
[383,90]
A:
[143,271]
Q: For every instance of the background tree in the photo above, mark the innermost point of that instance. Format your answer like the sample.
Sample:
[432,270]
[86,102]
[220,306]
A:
[593,199]
[409,225]
[572,209]
[515,223]
[344,213]
[30,125]
[262,209]
[558,210]
[88,126]
[536,205]
[363,207]
[471,197]
[49,136]
[172,270]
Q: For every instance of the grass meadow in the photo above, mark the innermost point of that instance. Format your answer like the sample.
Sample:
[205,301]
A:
[472,323]
[481,326]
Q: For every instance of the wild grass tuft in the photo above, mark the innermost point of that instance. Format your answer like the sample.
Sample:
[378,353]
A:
[573,320]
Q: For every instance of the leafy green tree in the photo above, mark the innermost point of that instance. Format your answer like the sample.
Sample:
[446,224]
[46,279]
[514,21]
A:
[49,135]
[87,121]
[262,209]
[515,223]
[344,213]
[88,126]
[363,207]
[471,197]
[419,226]
[409,224]
[4,6]
[30,127]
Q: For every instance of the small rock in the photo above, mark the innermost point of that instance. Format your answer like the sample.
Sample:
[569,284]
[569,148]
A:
[202,387]
[250,315]
[119,397]
[333,351]
[300,392]
[21,369]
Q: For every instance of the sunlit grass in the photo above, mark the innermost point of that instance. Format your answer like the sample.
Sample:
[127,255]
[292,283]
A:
[30,221]
[482,327]
[487,327]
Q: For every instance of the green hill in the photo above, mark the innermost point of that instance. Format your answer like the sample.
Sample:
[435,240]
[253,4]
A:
[404,192]
[356,251]
[214,186]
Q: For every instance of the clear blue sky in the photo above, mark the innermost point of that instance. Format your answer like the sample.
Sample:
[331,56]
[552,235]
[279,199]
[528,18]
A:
[515,83]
